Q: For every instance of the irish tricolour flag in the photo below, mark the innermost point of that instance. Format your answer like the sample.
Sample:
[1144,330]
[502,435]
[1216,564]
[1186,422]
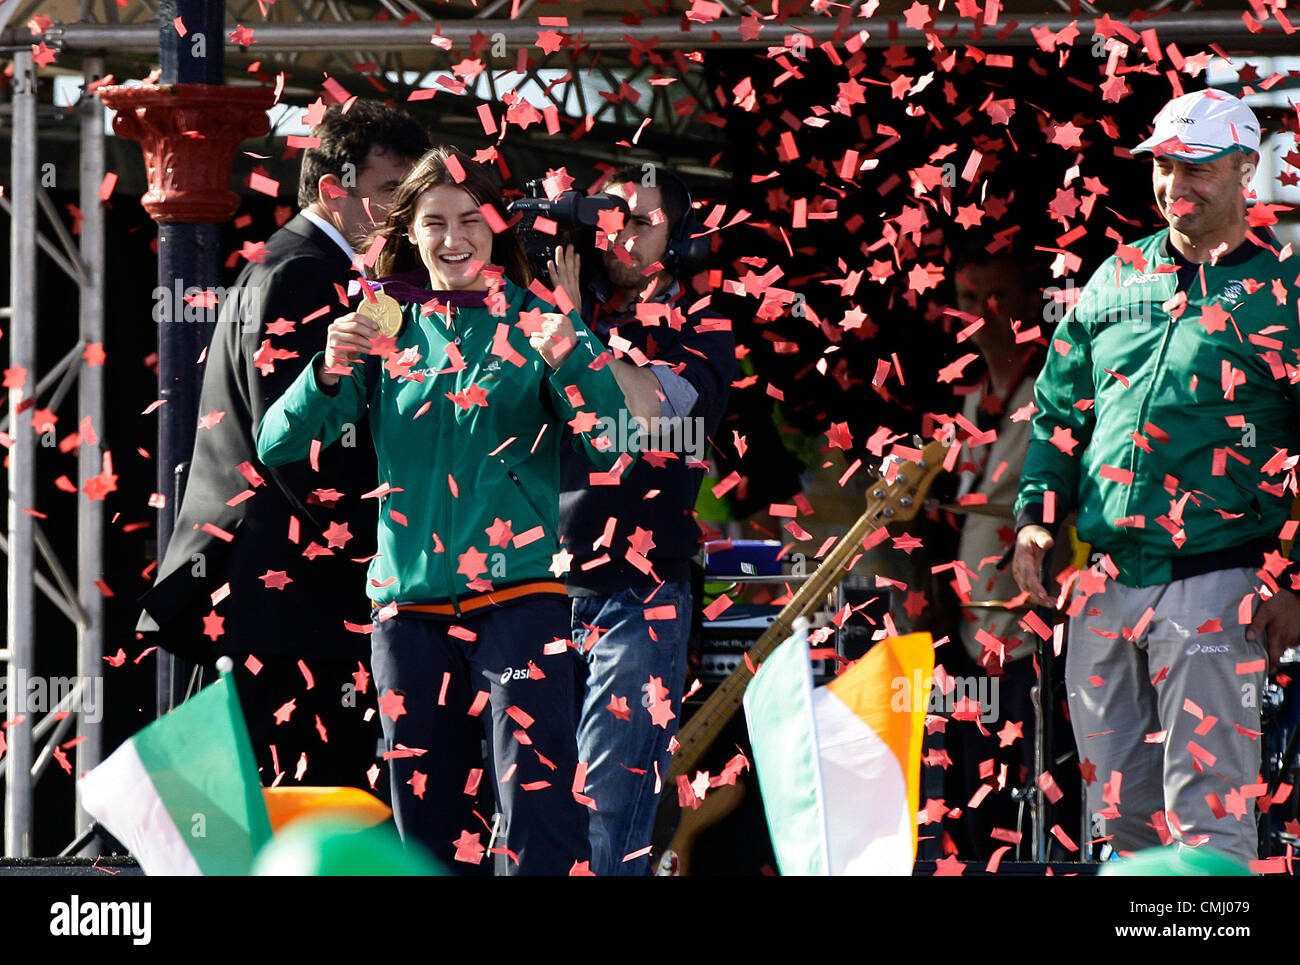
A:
[839,766]
[183,793]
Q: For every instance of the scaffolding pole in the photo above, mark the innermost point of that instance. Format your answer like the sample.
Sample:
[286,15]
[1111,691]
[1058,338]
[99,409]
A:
[90,385]
[22,454]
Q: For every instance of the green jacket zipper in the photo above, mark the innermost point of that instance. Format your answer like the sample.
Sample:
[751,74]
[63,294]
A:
[541,517]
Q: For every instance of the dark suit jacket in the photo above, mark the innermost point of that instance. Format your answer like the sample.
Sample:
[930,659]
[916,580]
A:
[306,617]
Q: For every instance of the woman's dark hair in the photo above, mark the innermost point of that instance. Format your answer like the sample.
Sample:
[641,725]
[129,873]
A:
[435,170]
[348,137]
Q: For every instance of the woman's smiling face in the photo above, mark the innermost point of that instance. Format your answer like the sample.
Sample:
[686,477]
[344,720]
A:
[453,238]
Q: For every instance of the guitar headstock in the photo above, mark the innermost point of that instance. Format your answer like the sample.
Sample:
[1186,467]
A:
[899,492]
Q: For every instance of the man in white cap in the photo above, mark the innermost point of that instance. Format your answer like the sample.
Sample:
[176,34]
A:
[1166,412]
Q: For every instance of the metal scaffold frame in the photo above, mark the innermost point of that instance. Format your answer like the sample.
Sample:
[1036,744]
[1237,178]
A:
[395,47]
[80,601]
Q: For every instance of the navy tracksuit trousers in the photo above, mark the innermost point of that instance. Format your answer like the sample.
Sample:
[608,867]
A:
[440,666]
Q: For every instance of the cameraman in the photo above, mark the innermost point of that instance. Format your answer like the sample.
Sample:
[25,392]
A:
[633,543]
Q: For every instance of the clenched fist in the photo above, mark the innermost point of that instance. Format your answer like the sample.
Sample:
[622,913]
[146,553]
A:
[346,341]
[555,339]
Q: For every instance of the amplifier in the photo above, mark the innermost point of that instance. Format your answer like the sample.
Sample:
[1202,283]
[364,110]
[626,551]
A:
[724,641]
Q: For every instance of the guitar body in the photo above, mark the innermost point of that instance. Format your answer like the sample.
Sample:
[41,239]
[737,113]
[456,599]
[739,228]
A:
[721,802]
[896,497]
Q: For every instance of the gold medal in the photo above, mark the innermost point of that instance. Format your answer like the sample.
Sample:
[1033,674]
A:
[384,311]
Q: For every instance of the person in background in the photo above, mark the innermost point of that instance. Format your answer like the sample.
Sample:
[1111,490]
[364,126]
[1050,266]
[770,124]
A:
[633,544]
[993,746]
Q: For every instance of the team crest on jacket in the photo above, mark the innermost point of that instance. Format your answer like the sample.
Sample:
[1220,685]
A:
[1233,292]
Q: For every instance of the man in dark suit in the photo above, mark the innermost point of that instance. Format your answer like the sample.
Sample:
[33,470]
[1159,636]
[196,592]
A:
[261,565]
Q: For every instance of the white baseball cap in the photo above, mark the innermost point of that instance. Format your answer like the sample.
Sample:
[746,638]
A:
[1202,126]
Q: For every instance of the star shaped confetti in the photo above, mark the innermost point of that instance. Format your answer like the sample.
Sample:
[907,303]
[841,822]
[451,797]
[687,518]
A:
[392,705]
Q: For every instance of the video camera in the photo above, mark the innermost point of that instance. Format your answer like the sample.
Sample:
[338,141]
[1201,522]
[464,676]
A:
[574,216]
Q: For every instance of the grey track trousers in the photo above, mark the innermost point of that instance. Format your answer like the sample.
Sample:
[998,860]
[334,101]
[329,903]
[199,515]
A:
[1169,754]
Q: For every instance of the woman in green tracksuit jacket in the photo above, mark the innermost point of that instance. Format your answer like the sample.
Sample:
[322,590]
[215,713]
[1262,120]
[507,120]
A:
[483,386]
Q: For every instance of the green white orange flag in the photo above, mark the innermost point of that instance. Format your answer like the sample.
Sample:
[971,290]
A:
[183,793]
[839,766]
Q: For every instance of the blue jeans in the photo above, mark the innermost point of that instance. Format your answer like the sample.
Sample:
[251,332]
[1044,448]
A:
[621,754]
